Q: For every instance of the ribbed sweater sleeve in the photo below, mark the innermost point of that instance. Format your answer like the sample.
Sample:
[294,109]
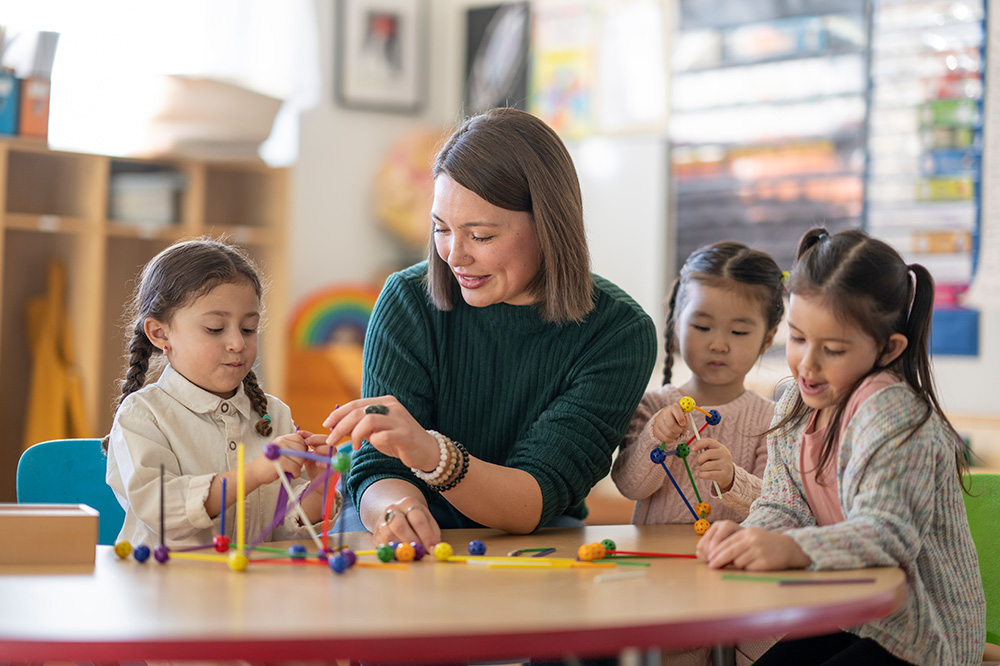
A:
[552,400]
[744,421]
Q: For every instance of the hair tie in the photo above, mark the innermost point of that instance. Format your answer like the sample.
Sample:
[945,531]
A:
[913,292]
[821,236]
[784,277]
[266,417]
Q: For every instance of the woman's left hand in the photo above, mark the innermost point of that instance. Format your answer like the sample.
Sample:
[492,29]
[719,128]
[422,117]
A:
[749,548]
[407,520]
[388,426]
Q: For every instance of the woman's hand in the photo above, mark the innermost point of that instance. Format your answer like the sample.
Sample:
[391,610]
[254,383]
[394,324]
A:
[715,462]
[406,520]
[395,433]
[749,548]
[670,423]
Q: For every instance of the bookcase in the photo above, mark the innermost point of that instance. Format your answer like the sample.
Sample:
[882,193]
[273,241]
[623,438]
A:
[57,205]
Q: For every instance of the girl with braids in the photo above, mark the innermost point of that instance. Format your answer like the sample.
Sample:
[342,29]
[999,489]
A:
[864,467]
[722,315]
[198,303]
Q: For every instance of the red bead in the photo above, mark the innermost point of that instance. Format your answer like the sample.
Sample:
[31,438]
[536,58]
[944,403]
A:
[221,543]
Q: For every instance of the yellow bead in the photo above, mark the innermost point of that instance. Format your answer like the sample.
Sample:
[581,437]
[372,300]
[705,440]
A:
[238,561]
[687,403]
[123,549]
[701,526]
[704,509]
[443,551]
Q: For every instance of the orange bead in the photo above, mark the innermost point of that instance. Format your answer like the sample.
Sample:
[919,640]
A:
[704,509]
[701,526]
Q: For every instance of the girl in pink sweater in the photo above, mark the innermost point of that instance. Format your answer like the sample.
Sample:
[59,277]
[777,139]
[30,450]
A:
[722,315]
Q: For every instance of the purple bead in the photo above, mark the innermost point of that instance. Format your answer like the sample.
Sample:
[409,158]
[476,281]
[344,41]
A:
[272,451]
[161,553]
[713,418]
[339,563]
[141,553]
[477,547]
[418,550]
[657,455]
[350,555]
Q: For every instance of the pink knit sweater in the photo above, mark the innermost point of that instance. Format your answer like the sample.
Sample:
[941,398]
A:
[638,478]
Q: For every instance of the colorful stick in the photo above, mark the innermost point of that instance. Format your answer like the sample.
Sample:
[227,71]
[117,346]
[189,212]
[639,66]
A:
[241,496]
[222,514]
[648,554]
[283,477]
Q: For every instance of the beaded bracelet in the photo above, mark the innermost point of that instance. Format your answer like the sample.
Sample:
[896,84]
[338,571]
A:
[461,475]
[438,475]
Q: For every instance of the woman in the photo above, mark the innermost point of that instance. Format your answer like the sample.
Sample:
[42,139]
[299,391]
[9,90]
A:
[499,375]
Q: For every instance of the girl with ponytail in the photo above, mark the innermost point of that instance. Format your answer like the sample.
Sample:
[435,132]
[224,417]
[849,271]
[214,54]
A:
[864,468]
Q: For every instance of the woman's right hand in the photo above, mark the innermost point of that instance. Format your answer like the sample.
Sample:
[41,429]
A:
[406,520]
[670,423]
[395,433]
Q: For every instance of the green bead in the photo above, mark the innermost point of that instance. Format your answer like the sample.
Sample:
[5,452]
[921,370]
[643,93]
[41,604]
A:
[609,545]
[341,463]
[386,552]
[683,450]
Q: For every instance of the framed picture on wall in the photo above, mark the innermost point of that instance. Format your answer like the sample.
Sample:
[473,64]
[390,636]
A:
[381,55]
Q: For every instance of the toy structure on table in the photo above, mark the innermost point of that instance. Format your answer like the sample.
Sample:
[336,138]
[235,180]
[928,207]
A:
[659,456]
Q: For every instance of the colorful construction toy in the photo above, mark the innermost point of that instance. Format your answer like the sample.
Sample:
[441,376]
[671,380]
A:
[659,456]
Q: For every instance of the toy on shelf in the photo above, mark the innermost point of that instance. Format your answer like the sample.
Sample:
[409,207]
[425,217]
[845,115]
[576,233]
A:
[659,456]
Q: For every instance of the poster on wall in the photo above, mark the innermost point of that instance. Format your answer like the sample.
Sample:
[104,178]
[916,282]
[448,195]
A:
[562,72]
[496,57]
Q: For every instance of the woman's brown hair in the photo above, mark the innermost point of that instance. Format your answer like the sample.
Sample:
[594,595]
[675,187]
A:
[514,161]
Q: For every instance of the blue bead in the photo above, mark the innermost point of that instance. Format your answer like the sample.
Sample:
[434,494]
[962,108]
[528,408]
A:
[141,553]
[713,418]
[297,551]
[657,455]
[477,547]
[339,563]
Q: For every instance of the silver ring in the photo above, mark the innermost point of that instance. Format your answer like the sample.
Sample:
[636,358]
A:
[376,409]
[408,510]
[389,515]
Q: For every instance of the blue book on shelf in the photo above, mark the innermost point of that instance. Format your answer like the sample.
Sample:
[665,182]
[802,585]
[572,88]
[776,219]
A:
[10,98]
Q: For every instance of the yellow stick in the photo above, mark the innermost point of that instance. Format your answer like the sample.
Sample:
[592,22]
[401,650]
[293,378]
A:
[535,562]
[203,557]
[241,489]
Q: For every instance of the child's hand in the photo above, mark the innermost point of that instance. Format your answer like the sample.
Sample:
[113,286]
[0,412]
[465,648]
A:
[670,423]
[264,468]
[715,462]
[749,548]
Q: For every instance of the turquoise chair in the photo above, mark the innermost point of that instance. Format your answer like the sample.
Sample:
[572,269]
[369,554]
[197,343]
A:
[982,506]
[71,471]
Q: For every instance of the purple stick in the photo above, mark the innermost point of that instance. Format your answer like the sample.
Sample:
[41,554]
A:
[222,514]
[833,581]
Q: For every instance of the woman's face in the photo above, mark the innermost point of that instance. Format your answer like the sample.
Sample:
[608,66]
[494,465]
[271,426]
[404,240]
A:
[493,252]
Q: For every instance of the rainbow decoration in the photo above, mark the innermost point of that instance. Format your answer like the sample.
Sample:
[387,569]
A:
[335,314]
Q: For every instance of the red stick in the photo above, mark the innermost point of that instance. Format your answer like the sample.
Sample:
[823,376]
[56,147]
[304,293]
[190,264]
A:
[704,425]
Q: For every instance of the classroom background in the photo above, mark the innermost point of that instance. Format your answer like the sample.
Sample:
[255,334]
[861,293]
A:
[305,130]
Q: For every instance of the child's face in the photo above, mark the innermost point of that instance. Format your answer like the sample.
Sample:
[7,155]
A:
[826,355]
[213,340]
[721,333]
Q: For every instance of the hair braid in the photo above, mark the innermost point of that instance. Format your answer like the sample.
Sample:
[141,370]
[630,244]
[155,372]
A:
[259,403]
[140,351]
[668,333]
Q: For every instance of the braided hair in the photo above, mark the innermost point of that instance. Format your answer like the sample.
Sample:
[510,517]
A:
[175,277]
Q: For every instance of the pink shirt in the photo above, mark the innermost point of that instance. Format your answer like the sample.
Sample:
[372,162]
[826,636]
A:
[821,490]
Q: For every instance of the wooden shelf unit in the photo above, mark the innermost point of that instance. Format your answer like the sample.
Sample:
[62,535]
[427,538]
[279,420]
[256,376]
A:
[55,204]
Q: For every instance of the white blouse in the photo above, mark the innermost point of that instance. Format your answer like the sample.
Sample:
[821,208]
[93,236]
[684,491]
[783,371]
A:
[194,435]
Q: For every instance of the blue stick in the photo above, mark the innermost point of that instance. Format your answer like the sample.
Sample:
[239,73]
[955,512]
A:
[671,476]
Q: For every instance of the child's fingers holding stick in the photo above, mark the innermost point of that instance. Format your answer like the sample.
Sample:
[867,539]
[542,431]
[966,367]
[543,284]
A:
[715,463]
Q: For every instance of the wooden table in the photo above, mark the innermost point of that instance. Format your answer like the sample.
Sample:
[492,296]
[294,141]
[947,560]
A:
[426,612]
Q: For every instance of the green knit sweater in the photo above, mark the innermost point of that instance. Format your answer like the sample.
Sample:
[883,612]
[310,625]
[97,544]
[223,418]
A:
[552,400]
